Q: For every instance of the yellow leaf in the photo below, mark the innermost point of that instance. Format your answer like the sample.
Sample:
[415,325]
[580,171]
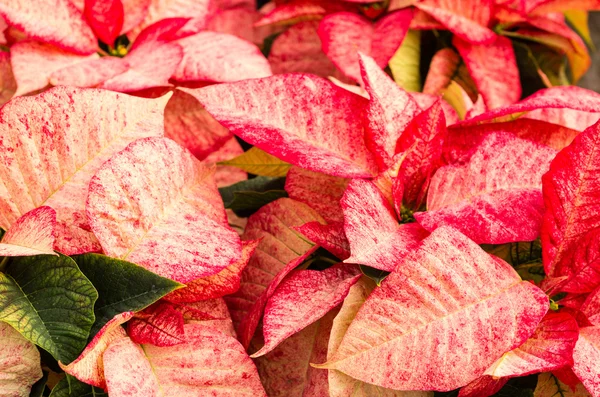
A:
[405,62]
[257,162]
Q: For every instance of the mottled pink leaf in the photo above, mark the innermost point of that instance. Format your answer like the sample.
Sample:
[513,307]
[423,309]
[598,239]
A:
[150,65]
[173,224]
[105,17]
[345,34]
[376,238]
[466,19]
[330,236]
[163,9]
[461,142]
[159,325]
[421,142]
[59,139]
[56,22]
[20,364]
[302,119]
[568,106]
[211,313]
[549,348]
[483,386]
[495,197]
[226,282]
[219,57]
[89,73]
[319,191]
[493,67]
[298,50]
[425,101]
[226,175]
[194,368]
[279,244]
[302,10]
[585,358]
[303,298]
[34,63]
[414,324]
[191,126]
[571,201]
[389,112]
[340,384]
[286,371]
[581,265]
[31,234]
[89,366]
[249,323]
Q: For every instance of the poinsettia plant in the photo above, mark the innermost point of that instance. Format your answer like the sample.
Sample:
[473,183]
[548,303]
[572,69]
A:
[180,216]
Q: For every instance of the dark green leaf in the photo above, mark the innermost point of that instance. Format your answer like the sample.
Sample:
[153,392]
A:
[122,286]
[1,233]
[245,204]
[50,302]
[78,389]
[374,274]
[37,390]
[258,184]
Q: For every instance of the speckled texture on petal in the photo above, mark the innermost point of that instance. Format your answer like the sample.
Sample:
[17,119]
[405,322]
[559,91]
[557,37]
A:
[549,348]
[319,191]
[219,58]
[57,22]
[33,64]
[226,282]
[31,234]
[89,366]
[376,238]
[586,357]
[571,196]
[20,364]
[562,105]
[331,237]
[495,197]
[173,224]
[53,143]
[279,244]
[345,34]
[286,371]
[302,119]
[210,363]
[493,67]
[303,298]
[466,19]
[389,112]
[420,314]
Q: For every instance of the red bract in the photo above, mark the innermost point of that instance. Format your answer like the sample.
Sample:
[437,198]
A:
[480,198]
[345,34]
[156,222]
[317,127]
[31,234]
[570,197]
[301,299]
[415,298]
[63,124]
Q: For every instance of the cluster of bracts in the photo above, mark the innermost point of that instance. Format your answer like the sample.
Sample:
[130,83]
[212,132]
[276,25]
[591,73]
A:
[216,200]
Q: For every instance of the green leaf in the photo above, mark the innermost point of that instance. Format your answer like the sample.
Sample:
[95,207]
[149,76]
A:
[245,204]
[258,184]
[1,233]
[37,390]
[78,389]
[258,162]
[50,302]
[405,64]
[122,286]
